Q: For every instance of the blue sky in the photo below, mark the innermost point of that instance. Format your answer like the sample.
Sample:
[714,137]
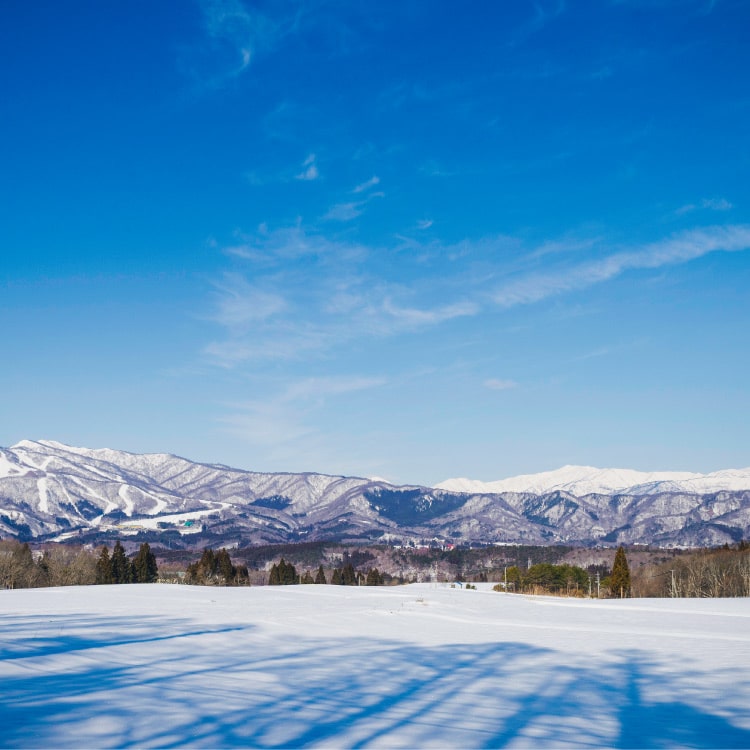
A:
[412,240]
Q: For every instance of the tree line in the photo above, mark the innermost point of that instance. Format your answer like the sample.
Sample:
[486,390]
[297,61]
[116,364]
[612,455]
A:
[569,580]
[284,574]
[722,572]
[73,566]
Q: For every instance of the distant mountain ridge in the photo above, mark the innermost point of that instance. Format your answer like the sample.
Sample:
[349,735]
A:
[588,480]
[51,491]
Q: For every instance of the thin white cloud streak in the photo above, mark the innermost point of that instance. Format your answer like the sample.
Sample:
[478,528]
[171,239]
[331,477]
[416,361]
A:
[372,182]
[711,204]
[240,303]
[412,317]
[496,384]
[350,210]
[279,344]
[345,211]
[230,25]
[237,32]
[293,243]
[717,204]
[321,388]
[680,248]
[309,169]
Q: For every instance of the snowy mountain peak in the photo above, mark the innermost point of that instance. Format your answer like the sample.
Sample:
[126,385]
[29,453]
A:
[588,480]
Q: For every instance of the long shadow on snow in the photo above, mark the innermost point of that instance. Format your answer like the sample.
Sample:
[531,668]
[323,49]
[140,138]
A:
[57,634]
[173,685]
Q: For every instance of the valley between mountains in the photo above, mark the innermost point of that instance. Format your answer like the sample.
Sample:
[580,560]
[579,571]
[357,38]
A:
[50,491]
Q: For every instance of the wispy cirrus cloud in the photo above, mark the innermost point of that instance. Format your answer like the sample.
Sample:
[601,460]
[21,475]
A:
[235,34]
[679,248]
[240,303]
[301,294]
[497,384]
[416,317]
[345,211]
[350,210]
[320,388]
[309,169]
[304,295]
[372,182]
[711,204]
[293,243]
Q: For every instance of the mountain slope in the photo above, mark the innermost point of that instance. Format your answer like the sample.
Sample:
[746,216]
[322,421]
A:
[52,491]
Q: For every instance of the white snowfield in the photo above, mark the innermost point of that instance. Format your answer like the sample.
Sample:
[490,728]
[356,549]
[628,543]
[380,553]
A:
[337,667]
[586,480]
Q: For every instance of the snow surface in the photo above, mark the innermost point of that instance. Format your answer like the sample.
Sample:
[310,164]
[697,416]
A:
[329,666]
[586,480]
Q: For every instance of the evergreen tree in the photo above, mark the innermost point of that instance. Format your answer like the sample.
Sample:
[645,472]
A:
[336,577]
[207,566]
[512,577]
[243,576]
[191,573]
[287,573]
[144,565]
[43,565]
[274,579]
[284,574]
[348,576]
[307,578]
[321,576]
[121,569]
[224,566]
[374,578]
[620,577]
[104,567]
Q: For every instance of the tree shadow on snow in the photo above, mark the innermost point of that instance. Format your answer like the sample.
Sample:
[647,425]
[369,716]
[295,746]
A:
[153,682]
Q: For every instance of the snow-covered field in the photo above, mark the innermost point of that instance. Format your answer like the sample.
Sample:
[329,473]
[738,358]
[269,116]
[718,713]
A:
[416,666]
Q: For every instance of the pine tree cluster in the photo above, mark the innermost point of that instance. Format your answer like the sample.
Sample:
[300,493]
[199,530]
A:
[374,577]
[348,576]
[283,574]
[216,569]
[119,569]
[546,578]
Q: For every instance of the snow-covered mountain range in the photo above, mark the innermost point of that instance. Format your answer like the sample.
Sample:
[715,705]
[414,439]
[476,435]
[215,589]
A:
[57,492]
[588,480]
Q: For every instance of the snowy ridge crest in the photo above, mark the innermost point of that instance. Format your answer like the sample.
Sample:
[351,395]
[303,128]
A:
[580,481]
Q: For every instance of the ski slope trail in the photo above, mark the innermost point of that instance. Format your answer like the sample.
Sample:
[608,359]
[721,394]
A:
[424,665]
